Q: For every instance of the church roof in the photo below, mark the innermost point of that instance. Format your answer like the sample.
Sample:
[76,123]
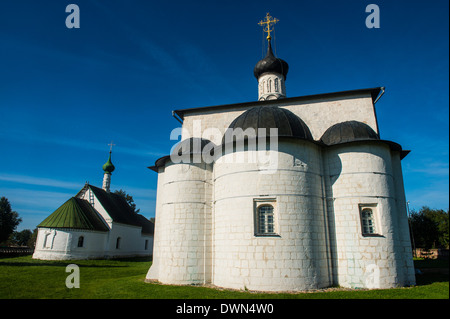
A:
[354,131]
[75,213]
[120,211]
[267,117]
[348,132]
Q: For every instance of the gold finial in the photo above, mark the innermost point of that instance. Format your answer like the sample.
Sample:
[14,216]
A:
[267,23]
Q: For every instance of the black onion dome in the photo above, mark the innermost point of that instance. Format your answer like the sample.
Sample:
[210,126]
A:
[267,117]
[271,64]
[348,132]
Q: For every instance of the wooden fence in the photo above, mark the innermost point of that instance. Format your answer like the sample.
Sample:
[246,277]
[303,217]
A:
[431,253]
[15,251]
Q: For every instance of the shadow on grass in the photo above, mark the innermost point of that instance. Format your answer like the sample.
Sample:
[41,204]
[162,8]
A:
[134,259]
[427,278]
[59,264]
[84,263]
[431,271]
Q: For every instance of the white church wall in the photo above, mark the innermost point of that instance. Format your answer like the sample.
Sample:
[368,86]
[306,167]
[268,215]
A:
[295,258]
[321,114]
[62,244]
[318,196]
[153,272]
[362,176]
[318,114]
[183,242]
[271,86]
[127,240]
[404,241]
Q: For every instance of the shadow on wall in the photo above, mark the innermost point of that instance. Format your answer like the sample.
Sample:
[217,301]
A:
[331,173]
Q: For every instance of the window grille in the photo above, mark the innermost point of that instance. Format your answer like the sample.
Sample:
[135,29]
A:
[265,220]
[368,222]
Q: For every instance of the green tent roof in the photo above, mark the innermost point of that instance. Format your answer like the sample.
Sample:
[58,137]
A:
[76,213]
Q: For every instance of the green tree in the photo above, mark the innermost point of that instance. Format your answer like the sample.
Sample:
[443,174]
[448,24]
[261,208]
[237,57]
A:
[9,219]
[430,228]
[32,241]
[20,238]
[128,198]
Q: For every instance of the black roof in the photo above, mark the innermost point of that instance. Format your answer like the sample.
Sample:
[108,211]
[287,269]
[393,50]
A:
[348,132]
[267,117]
[271,64]
[120,211]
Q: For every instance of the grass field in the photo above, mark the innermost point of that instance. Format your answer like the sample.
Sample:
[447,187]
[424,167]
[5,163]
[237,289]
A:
[23,277]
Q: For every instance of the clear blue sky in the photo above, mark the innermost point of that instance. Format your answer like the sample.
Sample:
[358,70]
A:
[66,93]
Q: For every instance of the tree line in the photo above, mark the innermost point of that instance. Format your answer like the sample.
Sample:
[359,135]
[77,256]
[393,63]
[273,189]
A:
[429,228]
[9,220]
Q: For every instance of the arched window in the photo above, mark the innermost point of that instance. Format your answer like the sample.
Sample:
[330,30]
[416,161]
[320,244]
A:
[80,241]
[46,243]
[265,220]
[269,86]
[118,243]
[49,236]
[276,85]
[367,221]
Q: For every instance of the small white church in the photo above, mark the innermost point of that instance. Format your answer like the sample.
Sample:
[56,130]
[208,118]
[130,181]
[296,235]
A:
[283,194]
[94,224]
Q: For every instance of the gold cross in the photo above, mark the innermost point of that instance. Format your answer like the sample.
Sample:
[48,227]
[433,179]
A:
[267,23]
[110,146]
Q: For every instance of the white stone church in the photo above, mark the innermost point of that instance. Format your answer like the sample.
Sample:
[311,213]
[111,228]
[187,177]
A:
[283,194]
[94,224]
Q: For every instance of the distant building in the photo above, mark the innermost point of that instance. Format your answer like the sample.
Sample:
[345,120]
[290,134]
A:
[327,209]
[94,224]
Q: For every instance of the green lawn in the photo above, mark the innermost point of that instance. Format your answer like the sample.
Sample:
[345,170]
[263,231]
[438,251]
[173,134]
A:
[23,277]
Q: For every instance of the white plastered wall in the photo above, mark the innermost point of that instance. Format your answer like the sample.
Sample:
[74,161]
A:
[62,244]
[361,175]
[183,227]
[295,258]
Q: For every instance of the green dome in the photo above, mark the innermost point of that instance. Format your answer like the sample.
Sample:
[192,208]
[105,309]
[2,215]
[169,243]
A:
[108,167]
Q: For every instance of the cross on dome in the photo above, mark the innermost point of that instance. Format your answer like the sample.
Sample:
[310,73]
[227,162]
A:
[110,146]
[267,23]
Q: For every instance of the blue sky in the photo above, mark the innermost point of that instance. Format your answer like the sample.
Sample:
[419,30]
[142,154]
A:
[66,93]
